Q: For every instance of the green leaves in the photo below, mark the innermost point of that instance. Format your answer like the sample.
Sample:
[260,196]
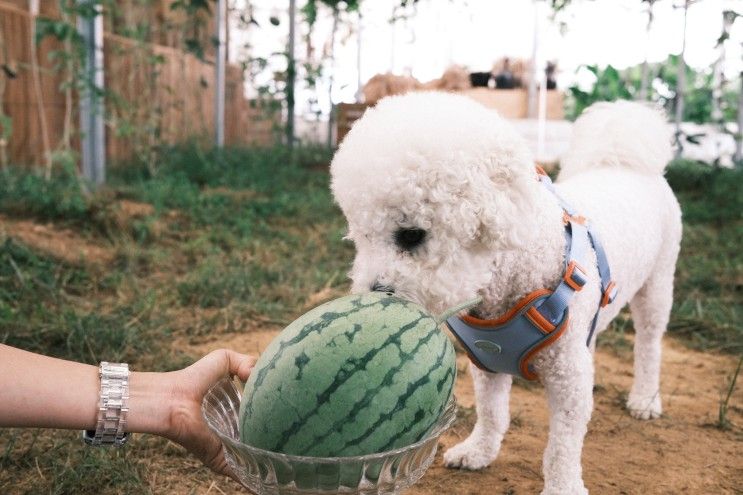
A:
[609,86]
[191,7]
[58,29]
[6,126]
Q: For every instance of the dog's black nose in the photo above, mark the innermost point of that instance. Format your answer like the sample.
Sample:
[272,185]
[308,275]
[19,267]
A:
[377,287]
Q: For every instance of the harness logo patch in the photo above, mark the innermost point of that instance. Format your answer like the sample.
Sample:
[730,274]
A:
[488,346]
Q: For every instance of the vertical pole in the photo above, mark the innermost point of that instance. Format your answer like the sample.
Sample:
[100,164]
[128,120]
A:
[532,102]
[681,86]
[645,75]
[739,137]
[220,61]
[541,116]
[359,88]
[93,138]
[331,78]
[33,8]
[290,76]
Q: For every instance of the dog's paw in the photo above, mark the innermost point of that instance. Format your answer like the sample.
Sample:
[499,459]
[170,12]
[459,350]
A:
[469,455]
[644,407]
[579,490]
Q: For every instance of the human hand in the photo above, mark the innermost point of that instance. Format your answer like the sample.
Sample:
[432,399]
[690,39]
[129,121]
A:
[170,403]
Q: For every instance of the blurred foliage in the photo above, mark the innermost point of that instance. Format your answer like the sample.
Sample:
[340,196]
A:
[309,9]
[708,194]
[708,306]
[611,84]
[24,192]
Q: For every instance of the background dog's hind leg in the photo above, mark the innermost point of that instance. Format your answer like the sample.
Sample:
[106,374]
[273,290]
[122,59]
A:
[651,308]
[492,392]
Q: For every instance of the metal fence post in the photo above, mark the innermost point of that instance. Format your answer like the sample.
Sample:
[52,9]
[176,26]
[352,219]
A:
[291,73]
[219,79]
[92,129]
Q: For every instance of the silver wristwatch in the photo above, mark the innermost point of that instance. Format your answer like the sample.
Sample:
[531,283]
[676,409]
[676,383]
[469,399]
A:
[113,407]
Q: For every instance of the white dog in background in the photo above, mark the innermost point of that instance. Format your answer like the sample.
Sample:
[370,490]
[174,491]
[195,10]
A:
[443,204]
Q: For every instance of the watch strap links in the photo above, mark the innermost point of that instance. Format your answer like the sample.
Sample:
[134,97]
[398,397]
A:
[113,407]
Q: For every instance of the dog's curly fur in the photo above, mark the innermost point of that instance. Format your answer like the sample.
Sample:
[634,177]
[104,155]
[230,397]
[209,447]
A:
[447,166]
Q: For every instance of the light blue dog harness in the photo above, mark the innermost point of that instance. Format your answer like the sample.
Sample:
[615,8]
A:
[507,344]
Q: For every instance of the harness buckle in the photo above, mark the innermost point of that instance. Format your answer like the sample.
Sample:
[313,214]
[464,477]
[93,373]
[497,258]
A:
[575,276]
[567,218]
[609,294]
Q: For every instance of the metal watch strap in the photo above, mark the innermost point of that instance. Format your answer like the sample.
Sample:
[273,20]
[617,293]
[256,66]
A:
[113,406]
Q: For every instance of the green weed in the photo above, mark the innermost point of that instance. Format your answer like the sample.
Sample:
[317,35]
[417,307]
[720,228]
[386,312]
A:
[723,422]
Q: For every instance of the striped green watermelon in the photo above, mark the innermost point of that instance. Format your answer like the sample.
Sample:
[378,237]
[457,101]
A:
[358,375]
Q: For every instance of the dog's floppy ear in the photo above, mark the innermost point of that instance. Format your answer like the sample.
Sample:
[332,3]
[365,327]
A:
[502,200]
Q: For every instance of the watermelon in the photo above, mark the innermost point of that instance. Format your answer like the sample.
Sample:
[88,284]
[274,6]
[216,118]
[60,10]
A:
[358,375]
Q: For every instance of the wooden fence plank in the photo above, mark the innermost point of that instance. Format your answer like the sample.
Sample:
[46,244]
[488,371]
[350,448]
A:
[176,103]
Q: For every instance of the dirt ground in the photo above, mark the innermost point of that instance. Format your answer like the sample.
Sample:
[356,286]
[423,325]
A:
[63,244]
[681,453]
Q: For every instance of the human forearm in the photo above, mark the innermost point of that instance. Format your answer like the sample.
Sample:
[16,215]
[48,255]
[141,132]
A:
[44,392]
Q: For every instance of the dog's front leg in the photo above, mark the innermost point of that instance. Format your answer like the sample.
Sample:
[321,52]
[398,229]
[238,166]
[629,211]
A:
[569,384]
[481,447]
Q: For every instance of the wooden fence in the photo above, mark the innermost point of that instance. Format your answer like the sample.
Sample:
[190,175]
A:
[160,95]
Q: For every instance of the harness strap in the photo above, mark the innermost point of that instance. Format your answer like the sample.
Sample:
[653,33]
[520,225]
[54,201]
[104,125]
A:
[608,287]
[507,344]
[574,278]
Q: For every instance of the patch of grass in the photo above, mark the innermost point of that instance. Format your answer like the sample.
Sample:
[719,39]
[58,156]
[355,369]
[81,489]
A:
[65,198]
[27,193]
[273,277]
[282,185]
[43,309]
[57,463]
[709,278]
[707,194]
[723,422]
[708,299]
[215,283]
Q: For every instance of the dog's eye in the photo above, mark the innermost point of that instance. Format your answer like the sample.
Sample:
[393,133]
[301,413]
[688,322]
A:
[409,239]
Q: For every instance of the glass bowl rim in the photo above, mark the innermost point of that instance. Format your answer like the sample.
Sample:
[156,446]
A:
[447,417]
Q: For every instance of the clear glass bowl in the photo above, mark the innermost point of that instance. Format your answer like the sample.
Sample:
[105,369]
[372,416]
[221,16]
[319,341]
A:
[271,473]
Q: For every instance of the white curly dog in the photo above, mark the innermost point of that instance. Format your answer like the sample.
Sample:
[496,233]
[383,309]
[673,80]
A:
[443,205]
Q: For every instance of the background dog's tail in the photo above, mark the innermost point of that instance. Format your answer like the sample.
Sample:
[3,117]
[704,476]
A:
[619,134]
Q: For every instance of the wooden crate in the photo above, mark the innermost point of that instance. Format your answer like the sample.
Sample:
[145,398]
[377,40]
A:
[514,103]
[510,103]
